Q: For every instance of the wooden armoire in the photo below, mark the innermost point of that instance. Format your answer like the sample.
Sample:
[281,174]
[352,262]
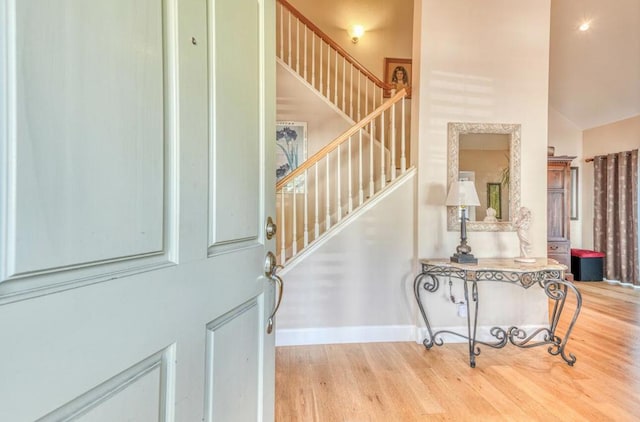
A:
[558,203]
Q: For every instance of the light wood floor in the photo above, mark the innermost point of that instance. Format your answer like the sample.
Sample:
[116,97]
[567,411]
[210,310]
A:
[405,382]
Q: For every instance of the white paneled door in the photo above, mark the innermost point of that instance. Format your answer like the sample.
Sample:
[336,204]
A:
[135,183]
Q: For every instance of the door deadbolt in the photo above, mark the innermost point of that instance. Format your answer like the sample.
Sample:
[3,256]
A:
[270,228]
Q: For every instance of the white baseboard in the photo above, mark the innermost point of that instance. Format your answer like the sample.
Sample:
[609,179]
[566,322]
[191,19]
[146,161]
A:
[334,335]
[377,334]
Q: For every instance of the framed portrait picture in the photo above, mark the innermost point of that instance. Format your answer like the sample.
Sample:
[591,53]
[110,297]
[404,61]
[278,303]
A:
[291,149]
[494,198]
[398,73]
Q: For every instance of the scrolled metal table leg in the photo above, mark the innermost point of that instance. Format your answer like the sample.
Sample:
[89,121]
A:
[554,292]
[474,350]
[430,284]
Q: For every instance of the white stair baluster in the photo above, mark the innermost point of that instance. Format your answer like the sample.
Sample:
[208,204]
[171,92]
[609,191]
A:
[360,191]
[344,84]
[294,219]
[327,178]
[351,91]
[320,65]
[298,45]
[283,230]
[383,176]
[372,135]
[349,177]
[306,209]
[339,186]
[359,96]
[328,72]
[403,156]
[366,97]
[281,34]
[306,52]
[289,40]
[317,203]
[335,80]
[392,166]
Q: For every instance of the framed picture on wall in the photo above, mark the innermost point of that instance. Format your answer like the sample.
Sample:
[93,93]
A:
[494,198]
[291,150]
[397,72]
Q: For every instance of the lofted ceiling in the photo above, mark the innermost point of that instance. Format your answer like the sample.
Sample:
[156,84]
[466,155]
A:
[594,76]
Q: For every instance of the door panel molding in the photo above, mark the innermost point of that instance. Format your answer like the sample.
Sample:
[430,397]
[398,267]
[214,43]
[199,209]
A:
[59,237]
[234,167]
[234,341]
[161,365]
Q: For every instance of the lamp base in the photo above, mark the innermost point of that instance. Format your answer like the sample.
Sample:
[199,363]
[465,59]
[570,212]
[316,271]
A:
[464,258]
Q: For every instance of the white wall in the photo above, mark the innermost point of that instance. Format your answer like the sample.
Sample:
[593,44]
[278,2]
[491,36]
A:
[357,286]
[296,102]
[615,137]
[566,137]
[482,61]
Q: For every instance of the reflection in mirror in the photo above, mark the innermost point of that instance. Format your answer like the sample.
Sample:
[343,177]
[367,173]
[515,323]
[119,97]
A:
[484,159]
[489,155]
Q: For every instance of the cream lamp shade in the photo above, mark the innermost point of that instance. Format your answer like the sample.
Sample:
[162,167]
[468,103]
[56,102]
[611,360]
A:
[463,193]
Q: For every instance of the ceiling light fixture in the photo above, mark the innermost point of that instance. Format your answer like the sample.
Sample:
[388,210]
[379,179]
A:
[584,26]
[355,33]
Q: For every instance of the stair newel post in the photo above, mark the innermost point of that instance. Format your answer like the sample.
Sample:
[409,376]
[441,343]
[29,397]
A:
[371,163]
[317,212]
[360,183]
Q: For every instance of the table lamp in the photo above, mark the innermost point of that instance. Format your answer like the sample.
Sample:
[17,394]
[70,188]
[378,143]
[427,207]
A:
[462,193]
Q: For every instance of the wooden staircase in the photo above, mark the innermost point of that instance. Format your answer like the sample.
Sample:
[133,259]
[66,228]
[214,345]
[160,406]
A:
[360,163]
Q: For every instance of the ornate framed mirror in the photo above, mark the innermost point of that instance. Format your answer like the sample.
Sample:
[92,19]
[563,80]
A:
[488,154]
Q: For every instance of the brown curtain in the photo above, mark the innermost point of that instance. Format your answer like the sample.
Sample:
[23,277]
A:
[615,230]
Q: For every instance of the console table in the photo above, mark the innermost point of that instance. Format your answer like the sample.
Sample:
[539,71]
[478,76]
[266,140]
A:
[544,273]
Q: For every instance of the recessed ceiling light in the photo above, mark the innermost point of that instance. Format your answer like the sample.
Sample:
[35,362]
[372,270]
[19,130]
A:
[584,26]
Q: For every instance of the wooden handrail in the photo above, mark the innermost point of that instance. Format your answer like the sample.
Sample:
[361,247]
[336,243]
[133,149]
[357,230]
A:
[373,78]
[339,140]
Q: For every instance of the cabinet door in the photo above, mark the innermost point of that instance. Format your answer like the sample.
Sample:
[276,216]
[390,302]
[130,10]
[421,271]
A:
[557,203]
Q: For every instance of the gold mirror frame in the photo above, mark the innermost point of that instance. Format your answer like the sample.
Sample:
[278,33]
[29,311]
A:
[454,130]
